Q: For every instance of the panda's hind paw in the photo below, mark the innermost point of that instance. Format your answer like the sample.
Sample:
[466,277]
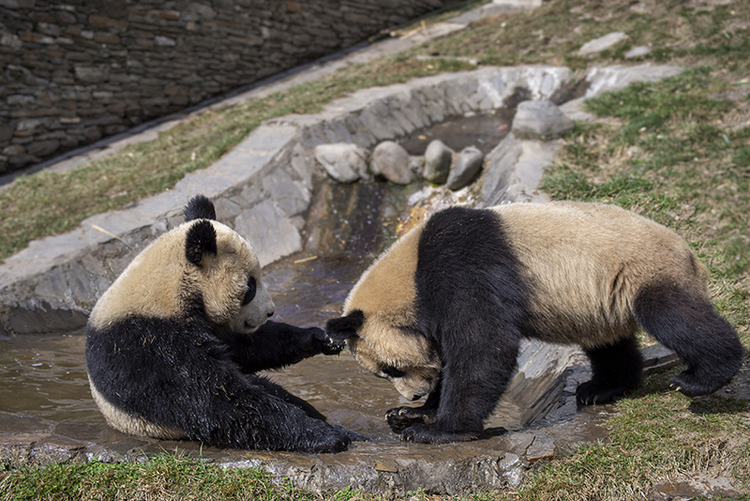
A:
[592,393]
[337,440]
[691,386]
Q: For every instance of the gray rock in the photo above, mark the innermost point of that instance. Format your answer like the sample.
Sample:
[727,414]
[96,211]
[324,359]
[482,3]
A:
[391,160]
[514,169]
[540,119]
[344,162]
[602,43]
[610,78]
[416,162]
[636,52]
[437,162]
[468,164]
[698,486]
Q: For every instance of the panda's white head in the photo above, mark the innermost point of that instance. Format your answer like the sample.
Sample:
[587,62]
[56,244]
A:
[389,350]
[379,322]
[201,266]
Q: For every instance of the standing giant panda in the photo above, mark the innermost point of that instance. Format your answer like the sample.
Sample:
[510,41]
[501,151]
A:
[442,312]
[172,345]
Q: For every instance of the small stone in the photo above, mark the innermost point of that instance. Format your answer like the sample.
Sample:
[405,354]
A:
[636,52]
[467,166]
[391,160]
[602,43]
[540,119]
[437,162]
[344,162]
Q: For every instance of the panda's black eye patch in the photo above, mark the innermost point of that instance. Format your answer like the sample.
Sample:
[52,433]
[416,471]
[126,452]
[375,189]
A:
[392,372]
[250,292]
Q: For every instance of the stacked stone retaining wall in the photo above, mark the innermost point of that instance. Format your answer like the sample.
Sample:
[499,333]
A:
[76,71]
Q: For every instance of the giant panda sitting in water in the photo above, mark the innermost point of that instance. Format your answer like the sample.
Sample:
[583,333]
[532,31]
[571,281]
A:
[172,346]
[442,312]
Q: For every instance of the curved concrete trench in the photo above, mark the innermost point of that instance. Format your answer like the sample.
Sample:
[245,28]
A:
[322,235]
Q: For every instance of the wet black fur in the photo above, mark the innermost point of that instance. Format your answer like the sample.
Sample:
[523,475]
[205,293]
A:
[472,303]
[189,374]
[184,374]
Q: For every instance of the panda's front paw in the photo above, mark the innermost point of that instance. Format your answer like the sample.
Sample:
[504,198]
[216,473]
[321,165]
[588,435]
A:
[425,434]
[322,343]
[330,347]
[400,418]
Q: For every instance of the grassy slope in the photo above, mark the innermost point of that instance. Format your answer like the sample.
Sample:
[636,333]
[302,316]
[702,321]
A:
[677,151]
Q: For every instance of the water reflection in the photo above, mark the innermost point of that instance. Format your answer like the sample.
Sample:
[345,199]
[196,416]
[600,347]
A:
[45,376]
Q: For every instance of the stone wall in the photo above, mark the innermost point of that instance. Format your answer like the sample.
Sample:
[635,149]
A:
[75,71]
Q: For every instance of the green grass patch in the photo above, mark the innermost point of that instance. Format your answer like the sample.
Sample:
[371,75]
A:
[163,477]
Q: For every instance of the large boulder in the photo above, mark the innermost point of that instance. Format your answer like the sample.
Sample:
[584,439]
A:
[468,164]
[344,162]
[391,160]
[437,162]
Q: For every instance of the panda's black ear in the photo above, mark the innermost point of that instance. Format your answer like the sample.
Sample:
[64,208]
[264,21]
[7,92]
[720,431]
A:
[200,207]
[342,328]
[201,238]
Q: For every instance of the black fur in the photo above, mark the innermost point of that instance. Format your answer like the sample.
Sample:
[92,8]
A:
[275,345]
[400,418]
[473,312]
[181,374]
[616,368]
[342,328]
[199,207]
[690,327]
[200,239]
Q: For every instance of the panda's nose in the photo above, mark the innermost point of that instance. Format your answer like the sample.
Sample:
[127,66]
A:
[270,314]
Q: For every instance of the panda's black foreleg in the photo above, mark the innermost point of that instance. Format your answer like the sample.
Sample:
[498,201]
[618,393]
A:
[473,379]
[616,368]
[690,327]
[275,345]
[400,418]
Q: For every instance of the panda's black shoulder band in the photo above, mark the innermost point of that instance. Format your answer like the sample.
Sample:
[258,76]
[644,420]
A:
[199,207]
[201,239]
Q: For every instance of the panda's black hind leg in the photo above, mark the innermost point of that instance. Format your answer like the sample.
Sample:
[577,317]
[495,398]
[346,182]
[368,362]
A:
[616,370]
[690,327]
